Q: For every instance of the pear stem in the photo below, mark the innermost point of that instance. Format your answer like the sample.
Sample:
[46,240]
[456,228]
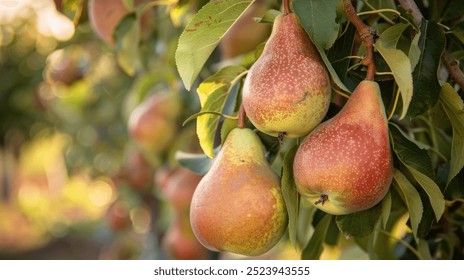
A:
[366,33]
[241,117]
[287,8]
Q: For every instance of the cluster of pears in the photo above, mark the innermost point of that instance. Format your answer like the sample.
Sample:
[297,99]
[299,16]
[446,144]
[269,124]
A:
[178,186]
[344,165]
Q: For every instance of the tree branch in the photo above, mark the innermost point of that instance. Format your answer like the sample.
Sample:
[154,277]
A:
[450,63]
[366,35]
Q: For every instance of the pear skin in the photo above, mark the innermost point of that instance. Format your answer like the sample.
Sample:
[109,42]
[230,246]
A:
[287,90]
[238,205]
[345,164]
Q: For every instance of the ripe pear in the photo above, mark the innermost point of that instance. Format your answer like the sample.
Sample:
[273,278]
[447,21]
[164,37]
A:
[238,205]
[180,188]
[345,164]
[105,15]
[287,90]
[246,34]
[180,243]
[153,123]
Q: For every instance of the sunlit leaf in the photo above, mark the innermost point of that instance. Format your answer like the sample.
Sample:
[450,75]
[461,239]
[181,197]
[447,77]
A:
[400,66]
[213,93]
[454,108]
[433,191]
[201,36]
[290,194]
[411,198]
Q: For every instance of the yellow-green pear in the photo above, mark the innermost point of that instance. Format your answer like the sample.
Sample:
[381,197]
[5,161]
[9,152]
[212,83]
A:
[238,205]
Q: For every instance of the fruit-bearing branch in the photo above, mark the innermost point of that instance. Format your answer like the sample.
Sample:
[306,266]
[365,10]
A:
[366,35]
[450,63]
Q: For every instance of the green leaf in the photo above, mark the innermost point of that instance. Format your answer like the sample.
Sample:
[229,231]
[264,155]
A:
[201,36]
[313,250]
[213,94]
[318,19]
[392,35]
[426,86]
[400,66]
[197,163]
[340,50]
[409,153]
[411,198]
[127,37]
[290,194]
[414,51]
[419,164]
[386,209]
[433,191]
[454,108]
[270,16]
[359,224]
[227,126]
[333,74]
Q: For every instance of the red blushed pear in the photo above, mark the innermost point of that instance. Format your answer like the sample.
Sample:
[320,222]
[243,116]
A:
[238,206]
[180,243]
[287,90]
[345,164]
[153,123]
[104,16]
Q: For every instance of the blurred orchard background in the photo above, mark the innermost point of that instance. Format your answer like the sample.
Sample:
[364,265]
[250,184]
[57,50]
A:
[78,177]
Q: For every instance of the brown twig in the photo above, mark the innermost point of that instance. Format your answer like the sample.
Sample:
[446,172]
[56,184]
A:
[241,117]
[366,35]
[287,8]
[450,63]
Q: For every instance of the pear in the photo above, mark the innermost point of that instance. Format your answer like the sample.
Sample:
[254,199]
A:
[287,90]
[105,15]
[153,123]
[238,205]
[179,242]
[345,164]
